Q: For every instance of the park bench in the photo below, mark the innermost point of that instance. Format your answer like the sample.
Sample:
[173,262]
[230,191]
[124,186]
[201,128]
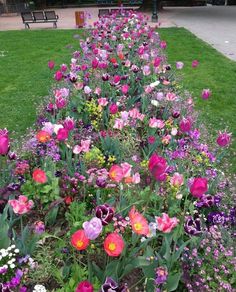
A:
[39,17]
[102,12]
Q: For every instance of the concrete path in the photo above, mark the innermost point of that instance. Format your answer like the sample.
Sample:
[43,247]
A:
[214,24]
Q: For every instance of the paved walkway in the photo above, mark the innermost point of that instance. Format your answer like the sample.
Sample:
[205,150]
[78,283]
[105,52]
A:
[214,24]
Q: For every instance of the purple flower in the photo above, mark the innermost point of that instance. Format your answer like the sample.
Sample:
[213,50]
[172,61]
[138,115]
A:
[3,271]
[232,216]
[208,201]
[161,275]
[217,218]
[105,213]
[179,65]
[39,227]
[111,286]
[93,228]
[192,225]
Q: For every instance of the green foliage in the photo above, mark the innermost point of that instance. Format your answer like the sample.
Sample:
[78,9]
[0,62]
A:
[4,227]
[75,215]
[26,241]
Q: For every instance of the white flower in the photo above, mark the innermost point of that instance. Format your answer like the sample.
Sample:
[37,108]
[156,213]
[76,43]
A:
[16,250]
[154,102]
[39,288]
[57,127]
[154,84]
[12,266]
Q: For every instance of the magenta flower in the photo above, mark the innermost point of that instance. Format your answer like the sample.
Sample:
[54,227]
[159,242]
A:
[195,63]
[62,134]
[4,142]
[92,228]
[163,45]
[63,67]
[223,139]
[69,123]
[58,76]
[206,93]
[60,102]
[51,64]
[185,125]
[22,205]
[113,109]
[125,88]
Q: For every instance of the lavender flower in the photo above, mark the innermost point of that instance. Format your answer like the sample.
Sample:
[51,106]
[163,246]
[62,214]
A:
[161,275]
[93,228]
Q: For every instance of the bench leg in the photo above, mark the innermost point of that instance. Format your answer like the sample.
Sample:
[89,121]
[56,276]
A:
[27,26]
[54,24]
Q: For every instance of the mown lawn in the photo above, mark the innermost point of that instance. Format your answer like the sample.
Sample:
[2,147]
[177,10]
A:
[25,77]
[215,72]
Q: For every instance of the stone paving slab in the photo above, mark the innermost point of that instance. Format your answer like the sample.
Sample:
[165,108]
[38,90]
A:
[214,24]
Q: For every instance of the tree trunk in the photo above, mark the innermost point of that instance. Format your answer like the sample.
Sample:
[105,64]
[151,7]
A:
[147,5]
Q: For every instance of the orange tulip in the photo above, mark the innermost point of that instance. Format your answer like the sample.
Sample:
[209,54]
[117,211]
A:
[138,222]
[43,136]
[114,244]
[79,240]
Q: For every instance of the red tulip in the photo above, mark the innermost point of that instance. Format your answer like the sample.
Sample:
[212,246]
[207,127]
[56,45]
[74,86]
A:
[157,166]
[39,176]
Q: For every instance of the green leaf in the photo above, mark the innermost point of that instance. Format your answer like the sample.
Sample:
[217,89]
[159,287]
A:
[173,281]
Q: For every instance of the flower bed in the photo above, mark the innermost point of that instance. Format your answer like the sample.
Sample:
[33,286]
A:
[115,187]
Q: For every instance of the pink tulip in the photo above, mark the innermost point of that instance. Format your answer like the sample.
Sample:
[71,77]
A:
[22,205]
[125,89]
[119,124]
[126,168]
[156,123]
[116,79]
[206,93]
[95,63]
[163,45]
[199,187]
[84,147]
[102,101]
[157,62]
[177,180]
[223,139]
[61,102]
[69,124]
[157,166]
[165,223]
[4,142]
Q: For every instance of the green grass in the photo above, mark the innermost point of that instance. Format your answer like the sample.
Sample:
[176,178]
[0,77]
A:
[215,72]
[25,77]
